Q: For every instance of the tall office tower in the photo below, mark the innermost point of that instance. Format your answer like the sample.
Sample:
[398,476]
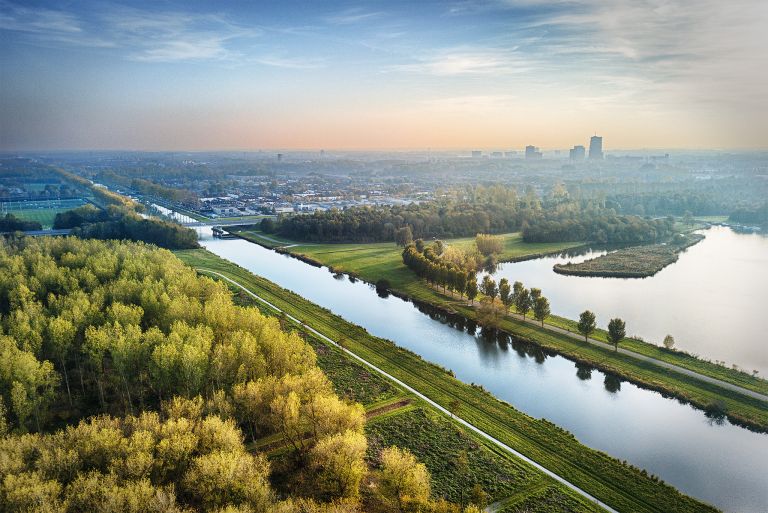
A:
[577,153]
[532,152]
[595,148]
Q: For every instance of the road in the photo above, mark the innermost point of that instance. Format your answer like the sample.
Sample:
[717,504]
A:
[41,233]
[418,394]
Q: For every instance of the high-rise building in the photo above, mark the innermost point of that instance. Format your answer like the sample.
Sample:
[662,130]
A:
[595,148]
[532,152]
[577,153]
[476,154]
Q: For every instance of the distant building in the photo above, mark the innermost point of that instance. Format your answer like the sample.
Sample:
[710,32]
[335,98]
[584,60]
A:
[476,154]
[595,148]
[509,154]
[577,153]
[496,155]
[532,153]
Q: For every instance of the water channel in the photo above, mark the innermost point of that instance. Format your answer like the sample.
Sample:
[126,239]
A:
[717,462]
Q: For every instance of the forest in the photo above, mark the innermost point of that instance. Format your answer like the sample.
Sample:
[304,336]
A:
[119,223]
[492,210]
[11,223]
[758,216]
[130,383]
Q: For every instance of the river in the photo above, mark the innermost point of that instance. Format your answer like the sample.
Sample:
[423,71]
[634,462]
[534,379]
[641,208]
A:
[712,300]
[717,462]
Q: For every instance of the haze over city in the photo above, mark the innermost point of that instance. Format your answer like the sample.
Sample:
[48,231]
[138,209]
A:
[374,75]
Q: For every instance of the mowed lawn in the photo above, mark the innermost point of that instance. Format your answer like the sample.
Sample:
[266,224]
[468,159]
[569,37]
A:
[43,211]
[372,262]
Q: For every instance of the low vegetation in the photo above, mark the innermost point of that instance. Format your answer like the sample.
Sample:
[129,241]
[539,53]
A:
[634,262]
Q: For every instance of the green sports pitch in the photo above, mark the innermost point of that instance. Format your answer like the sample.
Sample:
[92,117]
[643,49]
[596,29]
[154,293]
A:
[42,211]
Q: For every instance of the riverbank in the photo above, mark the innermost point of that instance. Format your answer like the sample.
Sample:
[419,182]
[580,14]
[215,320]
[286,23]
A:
[623,487]
[374,262]
[633,262]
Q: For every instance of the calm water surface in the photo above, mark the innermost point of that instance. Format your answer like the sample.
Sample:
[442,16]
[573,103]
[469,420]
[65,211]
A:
[721,464]
[713,300]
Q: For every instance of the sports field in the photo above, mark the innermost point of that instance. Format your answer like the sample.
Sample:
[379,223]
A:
[42,211]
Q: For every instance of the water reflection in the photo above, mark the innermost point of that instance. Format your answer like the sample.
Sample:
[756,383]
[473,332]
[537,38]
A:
[612,383]
[715,285]
[583,371]
[725,466]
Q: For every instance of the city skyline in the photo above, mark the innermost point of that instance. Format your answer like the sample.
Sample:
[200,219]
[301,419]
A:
[382,75]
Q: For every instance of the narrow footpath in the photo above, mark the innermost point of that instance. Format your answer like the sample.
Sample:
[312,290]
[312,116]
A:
[642,357]
[421,396]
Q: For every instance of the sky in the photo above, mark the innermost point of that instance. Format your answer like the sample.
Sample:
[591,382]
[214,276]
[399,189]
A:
[495,74]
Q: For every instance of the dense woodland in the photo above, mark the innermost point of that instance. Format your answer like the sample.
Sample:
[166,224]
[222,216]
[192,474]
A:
[479,210]
[150,188]
[130,383]
[755,216]
[118,223]
[11,223]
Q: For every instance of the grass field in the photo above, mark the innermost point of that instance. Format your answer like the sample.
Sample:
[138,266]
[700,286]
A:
[437,442]
[372,262]
[623,487]
[42,211]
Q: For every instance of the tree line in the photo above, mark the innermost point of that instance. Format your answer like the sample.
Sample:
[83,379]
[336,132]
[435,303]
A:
[427,264]
[553,219]
[11,223]
[160,379]
[89,222]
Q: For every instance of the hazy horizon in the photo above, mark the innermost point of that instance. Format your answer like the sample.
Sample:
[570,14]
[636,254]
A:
[383,76]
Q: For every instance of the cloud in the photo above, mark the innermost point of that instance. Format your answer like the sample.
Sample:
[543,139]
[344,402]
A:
[290,63]
[468,61]
[351,16]
[19,18]
[143,35]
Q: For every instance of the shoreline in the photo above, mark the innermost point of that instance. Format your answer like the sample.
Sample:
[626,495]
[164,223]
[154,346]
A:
[534,335]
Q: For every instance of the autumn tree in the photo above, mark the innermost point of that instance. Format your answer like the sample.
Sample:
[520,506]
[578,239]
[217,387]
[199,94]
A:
[339,461]
[403,480]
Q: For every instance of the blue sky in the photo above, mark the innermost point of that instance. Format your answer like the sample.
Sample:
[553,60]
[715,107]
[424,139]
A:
[490,74]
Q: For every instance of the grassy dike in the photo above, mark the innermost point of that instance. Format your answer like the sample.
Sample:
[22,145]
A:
[622,486]
[372,262]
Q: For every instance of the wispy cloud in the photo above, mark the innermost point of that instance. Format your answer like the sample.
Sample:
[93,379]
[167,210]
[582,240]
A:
[142,35]
[467,61]
[353,15]
[290,63]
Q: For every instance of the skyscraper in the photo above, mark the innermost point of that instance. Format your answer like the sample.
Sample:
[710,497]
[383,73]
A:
[595,148]
[577,153]
[532,152]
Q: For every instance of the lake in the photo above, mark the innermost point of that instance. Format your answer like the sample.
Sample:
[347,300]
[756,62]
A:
[713,300]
